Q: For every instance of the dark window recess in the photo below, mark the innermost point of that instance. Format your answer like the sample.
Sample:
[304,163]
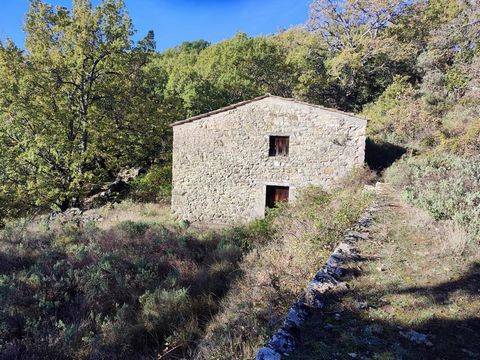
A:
[275,195]
[279,146]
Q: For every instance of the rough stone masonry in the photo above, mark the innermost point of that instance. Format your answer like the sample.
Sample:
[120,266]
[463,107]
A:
[224,168]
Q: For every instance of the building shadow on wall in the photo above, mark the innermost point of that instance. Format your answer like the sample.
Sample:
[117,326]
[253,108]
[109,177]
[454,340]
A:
[379,155]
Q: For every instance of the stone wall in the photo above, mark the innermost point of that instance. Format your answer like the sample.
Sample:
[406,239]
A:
[326,281]
[221,162]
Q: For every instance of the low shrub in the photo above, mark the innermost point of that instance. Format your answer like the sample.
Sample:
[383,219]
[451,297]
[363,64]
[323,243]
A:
[133,229]
[447,186]
[134,289]
[139,289]
[163,309]
[454,240]
[401,116]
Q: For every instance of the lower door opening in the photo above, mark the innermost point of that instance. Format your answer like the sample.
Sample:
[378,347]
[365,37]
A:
[276,195]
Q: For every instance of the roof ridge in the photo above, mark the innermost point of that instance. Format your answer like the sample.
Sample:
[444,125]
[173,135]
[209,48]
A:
[318,106]
[245,102]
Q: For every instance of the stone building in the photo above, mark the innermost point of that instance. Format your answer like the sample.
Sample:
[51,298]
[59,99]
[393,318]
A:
[232,163]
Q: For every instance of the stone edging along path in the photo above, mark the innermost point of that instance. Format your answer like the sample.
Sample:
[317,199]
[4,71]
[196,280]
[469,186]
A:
[326,280]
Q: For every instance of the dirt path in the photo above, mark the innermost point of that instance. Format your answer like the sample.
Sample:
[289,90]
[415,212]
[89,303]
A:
[408,299]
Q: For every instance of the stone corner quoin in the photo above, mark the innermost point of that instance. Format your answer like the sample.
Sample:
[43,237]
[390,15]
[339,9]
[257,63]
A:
[224,169]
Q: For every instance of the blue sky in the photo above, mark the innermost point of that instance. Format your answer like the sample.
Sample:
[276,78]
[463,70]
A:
[175,21]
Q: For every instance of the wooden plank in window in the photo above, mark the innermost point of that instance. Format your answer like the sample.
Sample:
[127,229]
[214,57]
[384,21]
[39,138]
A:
[276,195]
[279,145]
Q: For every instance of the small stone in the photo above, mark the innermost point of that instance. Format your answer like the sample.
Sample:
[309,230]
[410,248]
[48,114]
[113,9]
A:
[296,316]
[266,353]
[361,305]
[338,316]
[282,341]
[416,337]
[328,327]
[352,355]
[358,235]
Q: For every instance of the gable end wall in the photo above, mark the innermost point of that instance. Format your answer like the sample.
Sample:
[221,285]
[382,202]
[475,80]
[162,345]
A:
[221,165]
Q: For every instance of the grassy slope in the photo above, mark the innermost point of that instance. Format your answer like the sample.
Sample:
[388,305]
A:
[409,280]
[134,283]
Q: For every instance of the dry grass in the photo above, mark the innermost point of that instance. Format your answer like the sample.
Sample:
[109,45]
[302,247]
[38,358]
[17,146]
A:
[275,273]
[408,282]
[454,239]
[130,211]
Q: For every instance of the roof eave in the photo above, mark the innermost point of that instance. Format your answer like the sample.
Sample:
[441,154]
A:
[234,106]
[218,111]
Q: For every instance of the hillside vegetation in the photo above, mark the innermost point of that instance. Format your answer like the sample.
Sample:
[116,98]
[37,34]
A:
[416,296]
[112,284]
[302,236]
[83,102]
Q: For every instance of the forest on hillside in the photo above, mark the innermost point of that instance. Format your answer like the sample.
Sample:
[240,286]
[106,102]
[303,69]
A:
[82,101]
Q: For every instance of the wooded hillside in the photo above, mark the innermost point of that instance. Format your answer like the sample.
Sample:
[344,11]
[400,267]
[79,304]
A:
[82,101]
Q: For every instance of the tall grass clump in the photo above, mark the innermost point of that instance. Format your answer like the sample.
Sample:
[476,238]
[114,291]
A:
[447,186]
[275,272]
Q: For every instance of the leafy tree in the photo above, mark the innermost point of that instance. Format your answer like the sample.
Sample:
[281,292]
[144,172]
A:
[437,103]
[204,77]
[244,67]
[400,116]
[305,56]
[80,103]
[354,31]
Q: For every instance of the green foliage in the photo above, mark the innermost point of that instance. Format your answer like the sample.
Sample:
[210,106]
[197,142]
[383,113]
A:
[83,101]
[400,116]
[439,104]
[305,54]
[163,309]
[447,186]
[455,80]
[378,112]
[133,229]
[155,185]
[202,78]
[78,105]
[363,57]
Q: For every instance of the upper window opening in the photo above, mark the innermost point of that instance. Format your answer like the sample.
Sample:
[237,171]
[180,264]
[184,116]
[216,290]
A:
[279,145]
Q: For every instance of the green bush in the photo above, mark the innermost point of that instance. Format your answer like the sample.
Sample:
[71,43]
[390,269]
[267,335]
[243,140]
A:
[132,228]
[164,309]
[155,185]
[445,185]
